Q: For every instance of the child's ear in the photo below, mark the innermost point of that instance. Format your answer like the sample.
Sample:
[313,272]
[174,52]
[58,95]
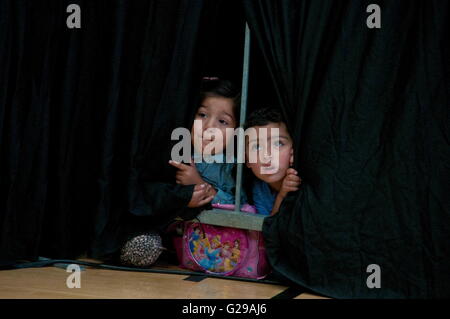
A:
[291,160]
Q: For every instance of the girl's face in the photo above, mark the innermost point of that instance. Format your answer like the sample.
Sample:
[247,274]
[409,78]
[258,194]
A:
[213,117]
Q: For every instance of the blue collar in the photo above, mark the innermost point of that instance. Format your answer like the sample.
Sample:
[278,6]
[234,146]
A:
[216,158]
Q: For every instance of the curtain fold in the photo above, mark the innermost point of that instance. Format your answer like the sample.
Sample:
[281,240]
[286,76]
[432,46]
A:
[85,116]
[369,112]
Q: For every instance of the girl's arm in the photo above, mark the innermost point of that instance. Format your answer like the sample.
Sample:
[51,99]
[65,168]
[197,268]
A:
[157,200]
[187,174]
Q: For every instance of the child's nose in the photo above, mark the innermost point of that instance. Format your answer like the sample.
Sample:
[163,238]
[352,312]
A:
[207,125]
[271,156]
[267,157]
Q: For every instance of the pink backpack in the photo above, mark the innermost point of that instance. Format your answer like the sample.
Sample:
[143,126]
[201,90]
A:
[222,250]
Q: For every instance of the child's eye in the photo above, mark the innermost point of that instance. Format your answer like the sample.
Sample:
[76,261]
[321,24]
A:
[278,143]
[223,122]
[201,114]
[256,147]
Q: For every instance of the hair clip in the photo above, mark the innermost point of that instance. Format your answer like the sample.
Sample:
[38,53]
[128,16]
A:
[210,78]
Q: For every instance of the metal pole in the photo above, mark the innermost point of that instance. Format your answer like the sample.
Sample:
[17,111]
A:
[240,144]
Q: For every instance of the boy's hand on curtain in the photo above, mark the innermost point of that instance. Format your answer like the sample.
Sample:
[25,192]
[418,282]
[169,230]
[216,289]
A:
[187,174]
[291,182]
[200,196]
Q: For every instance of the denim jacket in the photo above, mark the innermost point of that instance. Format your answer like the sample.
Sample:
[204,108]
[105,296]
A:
[221,176]
[263,197]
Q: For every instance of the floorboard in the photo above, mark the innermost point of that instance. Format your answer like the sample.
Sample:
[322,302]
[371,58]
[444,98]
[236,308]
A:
[50,283]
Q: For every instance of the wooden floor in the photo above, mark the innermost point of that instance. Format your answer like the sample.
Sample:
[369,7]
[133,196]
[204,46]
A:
[50,283]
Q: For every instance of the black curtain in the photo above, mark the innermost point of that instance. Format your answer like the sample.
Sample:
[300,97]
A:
[369,112]
[86,116]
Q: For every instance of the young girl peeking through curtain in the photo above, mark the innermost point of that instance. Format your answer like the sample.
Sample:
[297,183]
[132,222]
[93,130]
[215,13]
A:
[208,170]
[218,111]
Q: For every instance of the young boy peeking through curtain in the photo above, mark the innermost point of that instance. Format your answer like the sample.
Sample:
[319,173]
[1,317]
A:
[269,154]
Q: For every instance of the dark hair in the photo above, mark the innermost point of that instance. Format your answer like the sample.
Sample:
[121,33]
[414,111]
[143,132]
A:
[263,117]
[215,87]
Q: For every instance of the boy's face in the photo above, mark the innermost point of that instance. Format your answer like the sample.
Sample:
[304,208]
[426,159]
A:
[273,152]
[213,117]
